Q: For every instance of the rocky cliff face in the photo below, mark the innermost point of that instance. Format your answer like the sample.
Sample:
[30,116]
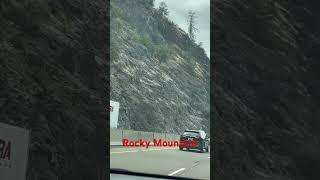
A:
[159,76]
[53,63]
[266,89]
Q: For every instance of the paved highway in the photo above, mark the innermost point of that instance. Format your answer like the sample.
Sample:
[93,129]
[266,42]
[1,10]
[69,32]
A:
[160,160]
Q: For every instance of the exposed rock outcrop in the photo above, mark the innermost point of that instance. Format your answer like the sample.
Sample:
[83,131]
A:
[266,89]
[52,78]
[159,76]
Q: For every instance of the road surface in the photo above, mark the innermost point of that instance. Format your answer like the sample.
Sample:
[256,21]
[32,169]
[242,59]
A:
[160,160]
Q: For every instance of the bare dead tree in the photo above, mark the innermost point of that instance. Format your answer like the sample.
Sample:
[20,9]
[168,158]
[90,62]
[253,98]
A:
[191,25]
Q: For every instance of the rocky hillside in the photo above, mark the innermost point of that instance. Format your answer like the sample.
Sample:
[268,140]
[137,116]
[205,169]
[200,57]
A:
[53,63]
[159,76]
[266,89]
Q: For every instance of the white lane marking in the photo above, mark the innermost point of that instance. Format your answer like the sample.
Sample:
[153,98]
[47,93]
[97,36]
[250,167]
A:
[150,150]
[144,150]
[175,172]
[121,152]
[158,149]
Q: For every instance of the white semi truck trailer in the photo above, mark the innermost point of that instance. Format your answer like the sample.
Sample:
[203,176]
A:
[114,114]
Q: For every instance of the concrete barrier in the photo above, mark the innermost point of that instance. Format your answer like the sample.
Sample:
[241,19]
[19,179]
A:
[147,136]
[131,135]
[116,136]
[159,135]
[170,137]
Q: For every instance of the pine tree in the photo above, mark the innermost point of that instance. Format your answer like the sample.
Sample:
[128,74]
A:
[163,9]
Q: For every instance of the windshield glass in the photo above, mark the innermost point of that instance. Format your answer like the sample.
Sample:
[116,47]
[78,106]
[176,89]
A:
[160,74]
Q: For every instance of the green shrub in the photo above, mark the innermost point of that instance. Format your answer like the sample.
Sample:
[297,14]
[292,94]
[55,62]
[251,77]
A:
[163,52]
[146,41]
[135,36]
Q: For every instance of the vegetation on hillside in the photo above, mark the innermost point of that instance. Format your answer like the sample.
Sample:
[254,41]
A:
[167,28]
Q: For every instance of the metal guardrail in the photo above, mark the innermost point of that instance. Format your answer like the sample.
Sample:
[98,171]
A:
[116,136]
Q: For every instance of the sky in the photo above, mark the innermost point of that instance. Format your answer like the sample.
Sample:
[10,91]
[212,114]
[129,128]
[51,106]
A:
[178,11]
